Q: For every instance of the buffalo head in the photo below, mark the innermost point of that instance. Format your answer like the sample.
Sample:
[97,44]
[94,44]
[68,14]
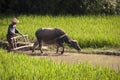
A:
[74,44]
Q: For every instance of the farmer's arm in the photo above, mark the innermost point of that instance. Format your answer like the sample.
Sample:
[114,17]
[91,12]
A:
[16,31]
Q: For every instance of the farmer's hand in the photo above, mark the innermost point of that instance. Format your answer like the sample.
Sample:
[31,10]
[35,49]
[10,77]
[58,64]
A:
[23,37]
[22,34]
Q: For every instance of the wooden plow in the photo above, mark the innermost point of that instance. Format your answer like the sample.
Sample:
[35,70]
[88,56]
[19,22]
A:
[21,42]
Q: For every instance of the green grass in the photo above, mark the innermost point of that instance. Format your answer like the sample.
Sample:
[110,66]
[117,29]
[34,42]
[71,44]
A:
[90,31]
[15,66]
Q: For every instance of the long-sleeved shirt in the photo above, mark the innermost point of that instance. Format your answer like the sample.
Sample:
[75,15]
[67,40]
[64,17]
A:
[12,30]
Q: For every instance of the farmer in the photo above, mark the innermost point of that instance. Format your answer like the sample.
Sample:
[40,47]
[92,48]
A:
[12,32]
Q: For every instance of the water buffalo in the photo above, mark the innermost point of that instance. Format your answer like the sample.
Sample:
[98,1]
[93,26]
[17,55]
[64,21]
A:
[54,36]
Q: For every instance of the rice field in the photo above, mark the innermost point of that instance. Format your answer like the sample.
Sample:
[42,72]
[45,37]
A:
[90,31]
[15,66]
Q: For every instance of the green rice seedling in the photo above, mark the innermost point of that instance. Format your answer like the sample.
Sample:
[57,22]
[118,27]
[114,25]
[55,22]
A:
[90,31]
[15,66]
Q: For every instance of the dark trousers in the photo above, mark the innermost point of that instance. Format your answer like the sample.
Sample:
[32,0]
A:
[10,44]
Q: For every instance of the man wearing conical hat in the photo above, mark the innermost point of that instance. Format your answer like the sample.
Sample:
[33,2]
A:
[12,31]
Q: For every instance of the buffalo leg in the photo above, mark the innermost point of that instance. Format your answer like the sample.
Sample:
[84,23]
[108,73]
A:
[40,46]
[61,45]
[34,46]
[62,50]
[57,49]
